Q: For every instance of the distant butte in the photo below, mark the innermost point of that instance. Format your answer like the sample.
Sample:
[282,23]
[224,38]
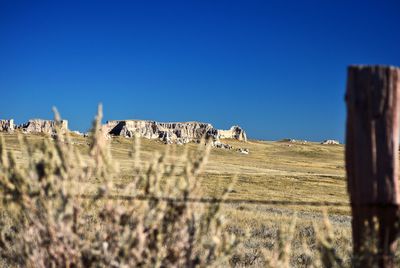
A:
[178,132]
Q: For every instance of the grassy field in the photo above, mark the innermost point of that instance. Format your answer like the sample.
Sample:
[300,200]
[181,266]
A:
[278,171]
[272,171]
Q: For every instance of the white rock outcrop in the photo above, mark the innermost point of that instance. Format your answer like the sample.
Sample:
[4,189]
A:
[179,133]
[294,141]
[43,126]
[76,132]
[7,125]
[330,142]
[235,132]
[218,144]
[243,150]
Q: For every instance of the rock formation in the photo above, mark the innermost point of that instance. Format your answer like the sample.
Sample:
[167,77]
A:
[7,125]
[77,133]
[243,150]
[294,141]
[235,132]
[179,133]
[42,126]
[330,142]
[218,144]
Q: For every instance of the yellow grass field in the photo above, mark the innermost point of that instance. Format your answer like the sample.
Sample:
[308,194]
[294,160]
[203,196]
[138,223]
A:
[302,176]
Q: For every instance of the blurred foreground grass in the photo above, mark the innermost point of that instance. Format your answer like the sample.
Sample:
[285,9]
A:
[273,171]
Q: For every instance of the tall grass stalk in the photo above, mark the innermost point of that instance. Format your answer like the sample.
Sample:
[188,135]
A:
[44,222]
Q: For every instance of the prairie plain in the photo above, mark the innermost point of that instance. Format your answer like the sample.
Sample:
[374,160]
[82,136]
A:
[277,185]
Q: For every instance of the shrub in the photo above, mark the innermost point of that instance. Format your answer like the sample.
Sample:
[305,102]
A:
[47,220]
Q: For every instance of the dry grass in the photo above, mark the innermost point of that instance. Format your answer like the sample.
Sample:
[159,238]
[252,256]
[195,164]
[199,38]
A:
[238,234]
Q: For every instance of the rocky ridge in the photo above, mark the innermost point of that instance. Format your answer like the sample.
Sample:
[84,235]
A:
[330,142]
[43,126]
[180,132]
[7,125]
[34,126]
[169,133]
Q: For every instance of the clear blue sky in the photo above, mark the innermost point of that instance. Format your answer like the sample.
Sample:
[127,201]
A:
[277,68]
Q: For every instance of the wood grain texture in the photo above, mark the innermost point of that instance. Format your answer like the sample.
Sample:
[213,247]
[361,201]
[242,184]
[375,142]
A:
[372,148]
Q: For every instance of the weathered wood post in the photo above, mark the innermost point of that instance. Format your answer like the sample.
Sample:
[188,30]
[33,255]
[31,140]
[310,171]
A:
[372,146]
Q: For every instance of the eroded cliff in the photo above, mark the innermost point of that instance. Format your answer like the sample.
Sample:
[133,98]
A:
[180,132]
[42,126]
[7,125]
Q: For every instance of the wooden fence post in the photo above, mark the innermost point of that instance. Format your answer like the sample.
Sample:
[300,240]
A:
[372,149]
